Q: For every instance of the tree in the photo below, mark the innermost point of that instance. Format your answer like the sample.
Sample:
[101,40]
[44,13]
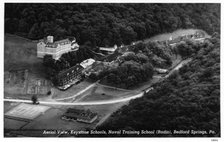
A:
[34,99]
[49,93]
[184,50]
[108,24]
[34,32]
[142,58]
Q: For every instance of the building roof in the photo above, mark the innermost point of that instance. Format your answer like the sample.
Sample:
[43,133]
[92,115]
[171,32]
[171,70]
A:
[55,44]
[64,41]
[87,63]
[161,70]
[65,72]
[80,114]
[111,49]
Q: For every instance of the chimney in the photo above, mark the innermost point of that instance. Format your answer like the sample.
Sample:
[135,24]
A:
[50,39]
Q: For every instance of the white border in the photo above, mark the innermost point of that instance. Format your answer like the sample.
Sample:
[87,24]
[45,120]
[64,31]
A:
[107,139]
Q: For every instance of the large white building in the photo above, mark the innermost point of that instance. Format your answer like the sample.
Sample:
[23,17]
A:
[56,49]
[109,50]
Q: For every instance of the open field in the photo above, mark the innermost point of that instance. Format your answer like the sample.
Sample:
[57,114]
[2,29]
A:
[26,111]
[52,117]
[52,120]
[25,84]
[15,81]
[58,94]
[23,71]
[37,85]
[13,124]
[20,53]
[102,92]
[8,106]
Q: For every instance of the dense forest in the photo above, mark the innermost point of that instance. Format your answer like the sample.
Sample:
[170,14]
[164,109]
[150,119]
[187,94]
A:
[137,64]
[188,100]
[107,24]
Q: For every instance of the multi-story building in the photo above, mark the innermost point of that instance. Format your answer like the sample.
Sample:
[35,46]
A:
[72,75]
[68,77]
[47,46]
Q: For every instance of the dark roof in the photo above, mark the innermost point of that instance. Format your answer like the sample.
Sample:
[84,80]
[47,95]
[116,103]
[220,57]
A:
[80,114]
[74,68]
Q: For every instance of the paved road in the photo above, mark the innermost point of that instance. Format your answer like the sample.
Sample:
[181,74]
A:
[80,103]
[96,102]
[178,66]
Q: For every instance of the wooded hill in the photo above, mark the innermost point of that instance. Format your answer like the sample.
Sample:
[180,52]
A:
[107,24]
[188,100]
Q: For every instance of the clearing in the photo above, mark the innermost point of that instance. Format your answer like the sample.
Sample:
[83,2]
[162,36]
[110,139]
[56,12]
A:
[20,53]
[23,72]
[175,34]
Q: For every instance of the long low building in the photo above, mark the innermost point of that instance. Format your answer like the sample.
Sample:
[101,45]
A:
[79,115]
[108,50]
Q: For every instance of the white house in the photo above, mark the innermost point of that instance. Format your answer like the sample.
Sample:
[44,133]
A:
[86,63]
[56,49]
[109,50]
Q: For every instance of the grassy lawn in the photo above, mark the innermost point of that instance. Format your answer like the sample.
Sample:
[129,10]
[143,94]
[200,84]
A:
[52,120]
[13,124]
[101,93]
[21,53]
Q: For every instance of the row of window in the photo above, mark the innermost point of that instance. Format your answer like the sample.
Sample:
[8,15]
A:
[67,79]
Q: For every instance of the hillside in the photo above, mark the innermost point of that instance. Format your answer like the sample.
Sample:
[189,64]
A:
[102,24]
[21,53]
[187,100]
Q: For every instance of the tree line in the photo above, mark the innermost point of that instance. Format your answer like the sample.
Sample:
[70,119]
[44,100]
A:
[66,61]
[188,100]
[135,65]
[104,24]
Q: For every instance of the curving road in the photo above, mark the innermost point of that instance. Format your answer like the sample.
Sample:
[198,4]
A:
[95,102]
[80,103]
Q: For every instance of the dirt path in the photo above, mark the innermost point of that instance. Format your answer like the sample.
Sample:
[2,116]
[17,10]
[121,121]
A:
[79,93]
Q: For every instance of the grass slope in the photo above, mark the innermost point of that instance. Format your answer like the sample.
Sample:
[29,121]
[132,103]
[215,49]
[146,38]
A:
[21,53]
